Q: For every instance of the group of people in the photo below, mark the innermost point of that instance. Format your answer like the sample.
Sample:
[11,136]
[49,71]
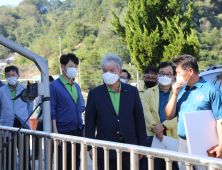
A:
[118,112]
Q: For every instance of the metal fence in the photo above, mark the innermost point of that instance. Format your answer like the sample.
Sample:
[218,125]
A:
[50,138]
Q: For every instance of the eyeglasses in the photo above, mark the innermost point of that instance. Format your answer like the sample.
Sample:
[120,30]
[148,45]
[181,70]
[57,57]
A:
[161,74]
[150,78]
[123,77]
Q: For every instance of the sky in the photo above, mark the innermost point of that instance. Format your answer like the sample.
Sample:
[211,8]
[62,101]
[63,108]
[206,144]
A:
[10,2]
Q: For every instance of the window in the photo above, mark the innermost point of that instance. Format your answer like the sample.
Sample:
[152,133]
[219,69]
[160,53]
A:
[213,79]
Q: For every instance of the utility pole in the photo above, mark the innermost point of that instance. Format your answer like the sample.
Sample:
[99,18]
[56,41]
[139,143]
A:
[60,53]
[79,75]
[138,79]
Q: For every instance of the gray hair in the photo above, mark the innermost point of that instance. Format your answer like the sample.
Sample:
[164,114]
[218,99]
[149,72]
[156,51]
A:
[110,59]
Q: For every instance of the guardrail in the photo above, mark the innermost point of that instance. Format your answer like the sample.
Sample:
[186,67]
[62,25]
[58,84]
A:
[134,150]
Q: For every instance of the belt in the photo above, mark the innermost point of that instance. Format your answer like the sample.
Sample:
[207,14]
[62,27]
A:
[184,138]
[121,140]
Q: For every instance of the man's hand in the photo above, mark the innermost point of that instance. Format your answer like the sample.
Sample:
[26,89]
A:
[218,151]
[158,128]
[40,119]
[90,154]
[55,130]
[59,141]
[159,136]
[176,88]
[140,157]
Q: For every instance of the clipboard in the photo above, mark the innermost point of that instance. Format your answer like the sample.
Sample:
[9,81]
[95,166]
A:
[168,143]
[201,131]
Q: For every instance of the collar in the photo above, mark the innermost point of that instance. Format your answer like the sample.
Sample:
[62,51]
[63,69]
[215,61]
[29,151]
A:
[142,88]
[13,89]
[198,85]
[163,91]
[65,82]
[110,90]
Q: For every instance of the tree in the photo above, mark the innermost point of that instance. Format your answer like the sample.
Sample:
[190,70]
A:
[3,31]
[207,12]
[156,31]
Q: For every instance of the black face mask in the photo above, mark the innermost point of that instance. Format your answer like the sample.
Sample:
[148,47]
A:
[149,84]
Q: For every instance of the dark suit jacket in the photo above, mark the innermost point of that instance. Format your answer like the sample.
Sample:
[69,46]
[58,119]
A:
[100,113]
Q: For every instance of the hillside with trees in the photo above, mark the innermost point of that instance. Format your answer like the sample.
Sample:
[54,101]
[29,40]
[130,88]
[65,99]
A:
[83,27]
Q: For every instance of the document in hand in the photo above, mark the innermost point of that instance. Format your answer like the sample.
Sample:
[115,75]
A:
[168,143]
[201,131]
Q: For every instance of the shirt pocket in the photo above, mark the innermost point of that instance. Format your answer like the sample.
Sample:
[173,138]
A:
[2,121]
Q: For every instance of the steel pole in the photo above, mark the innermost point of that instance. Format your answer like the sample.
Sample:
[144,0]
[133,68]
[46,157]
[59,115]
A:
[42,65]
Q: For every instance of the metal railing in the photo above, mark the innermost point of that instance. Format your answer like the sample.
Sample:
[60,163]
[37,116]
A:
[134,150]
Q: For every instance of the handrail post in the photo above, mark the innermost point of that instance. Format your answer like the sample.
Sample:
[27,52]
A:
[21,151]
[64,155]
[188,166]
[33,152]
[27,153]
[73,148]
[83,156]
[94,155]
[4,152]
[15,152]
[10,152]
[55,154]
[168,164]
[133,160]
[150,162]
[106,158]
[48,162]
[119,159]
[212,168]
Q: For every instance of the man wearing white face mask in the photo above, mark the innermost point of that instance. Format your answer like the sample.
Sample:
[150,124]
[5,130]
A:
[115,109]
[154,103]
[192,93]
[14,113]
[66,106]
[125,76]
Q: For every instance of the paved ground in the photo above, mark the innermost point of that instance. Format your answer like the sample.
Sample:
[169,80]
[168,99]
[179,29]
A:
[43,167]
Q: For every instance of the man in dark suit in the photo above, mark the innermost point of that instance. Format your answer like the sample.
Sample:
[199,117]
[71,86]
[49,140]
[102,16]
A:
[115,109]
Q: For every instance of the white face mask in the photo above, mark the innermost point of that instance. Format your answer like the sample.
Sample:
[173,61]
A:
[180,79]
[110,78]
[123,80]
[164,80]
[71,72]
[12,80]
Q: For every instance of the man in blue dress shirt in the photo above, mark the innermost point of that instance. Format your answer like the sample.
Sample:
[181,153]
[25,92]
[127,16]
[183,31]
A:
[192,93]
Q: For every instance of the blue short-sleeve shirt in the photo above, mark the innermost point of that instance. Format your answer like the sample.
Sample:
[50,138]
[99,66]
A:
[202,96]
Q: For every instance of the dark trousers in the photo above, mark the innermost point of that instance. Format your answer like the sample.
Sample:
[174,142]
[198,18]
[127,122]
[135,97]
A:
[113,162]
[69,155]
[159,164]
[18,124]
[39,128]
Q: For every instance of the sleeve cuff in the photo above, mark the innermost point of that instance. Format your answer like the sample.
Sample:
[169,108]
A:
[164,125]
[53,117]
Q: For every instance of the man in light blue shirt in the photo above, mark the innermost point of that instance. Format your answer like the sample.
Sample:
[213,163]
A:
[192,93]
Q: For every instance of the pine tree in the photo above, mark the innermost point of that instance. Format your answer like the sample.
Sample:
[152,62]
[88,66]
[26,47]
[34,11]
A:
[156,31]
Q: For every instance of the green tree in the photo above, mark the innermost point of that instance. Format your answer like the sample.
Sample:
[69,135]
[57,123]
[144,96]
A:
[3,31]
[156,31]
